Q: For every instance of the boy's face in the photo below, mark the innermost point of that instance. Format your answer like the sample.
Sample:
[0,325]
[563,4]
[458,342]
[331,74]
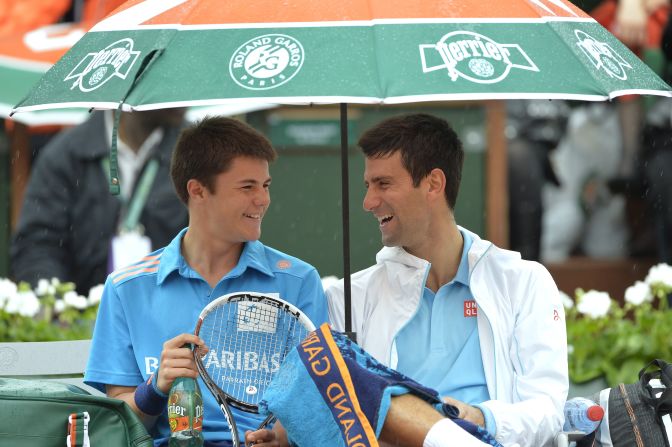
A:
[239,201]
[401,209]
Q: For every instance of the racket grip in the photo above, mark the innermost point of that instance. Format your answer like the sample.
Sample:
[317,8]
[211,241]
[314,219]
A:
[269,419]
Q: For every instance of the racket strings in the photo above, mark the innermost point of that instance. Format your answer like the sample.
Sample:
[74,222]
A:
[248,340]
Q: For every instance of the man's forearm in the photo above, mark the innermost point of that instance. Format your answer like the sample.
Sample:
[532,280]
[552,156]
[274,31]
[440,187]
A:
[408,421]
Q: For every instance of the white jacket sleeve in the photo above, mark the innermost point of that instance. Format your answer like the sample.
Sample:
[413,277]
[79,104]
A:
[538,352]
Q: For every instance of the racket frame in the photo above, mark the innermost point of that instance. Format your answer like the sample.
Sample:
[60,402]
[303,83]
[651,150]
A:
[225,400]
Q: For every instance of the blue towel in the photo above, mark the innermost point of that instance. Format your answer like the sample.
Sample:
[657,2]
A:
[329,391]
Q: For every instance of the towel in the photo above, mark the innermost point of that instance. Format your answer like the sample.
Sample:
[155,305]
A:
[330,391]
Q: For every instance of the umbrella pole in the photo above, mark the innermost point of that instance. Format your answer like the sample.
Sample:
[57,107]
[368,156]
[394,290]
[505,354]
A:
[345,200]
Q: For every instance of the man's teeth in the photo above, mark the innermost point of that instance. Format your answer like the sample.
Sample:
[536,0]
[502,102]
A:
[385,219]
[253,216]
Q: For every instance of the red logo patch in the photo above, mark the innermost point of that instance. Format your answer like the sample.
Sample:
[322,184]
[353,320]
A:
[283,264]
[470,309]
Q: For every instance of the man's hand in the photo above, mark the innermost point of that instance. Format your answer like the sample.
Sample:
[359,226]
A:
[467,412]
[267,438]
[178,360]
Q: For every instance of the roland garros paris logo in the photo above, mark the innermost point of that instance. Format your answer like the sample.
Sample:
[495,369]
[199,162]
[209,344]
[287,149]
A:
[96,69]
[266,61]
[474,57]
[602,55]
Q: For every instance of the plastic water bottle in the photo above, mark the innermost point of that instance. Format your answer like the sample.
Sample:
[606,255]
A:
[185,413]
[583,415]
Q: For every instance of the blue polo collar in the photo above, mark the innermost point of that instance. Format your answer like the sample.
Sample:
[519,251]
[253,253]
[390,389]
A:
[253,256]
[462,275]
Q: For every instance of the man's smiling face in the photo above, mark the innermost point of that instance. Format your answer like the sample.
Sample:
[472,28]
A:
[401,208]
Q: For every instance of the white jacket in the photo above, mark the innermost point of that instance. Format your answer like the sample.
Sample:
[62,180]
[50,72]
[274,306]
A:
[521,325]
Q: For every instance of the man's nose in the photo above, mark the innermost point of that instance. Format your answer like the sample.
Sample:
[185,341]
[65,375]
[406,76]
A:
[371,200]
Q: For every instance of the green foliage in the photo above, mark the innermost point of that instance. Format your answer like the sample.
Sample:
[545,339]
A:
[621,341]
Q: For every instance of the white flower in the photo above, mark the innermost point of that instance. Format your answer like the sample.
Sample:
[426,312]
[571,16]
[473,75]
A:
[12,303]
[638,293]
[661,273]
[329,281]
[44,287]
[594,304]
[29,304]
[59,306]
[567,301]
[71,299]
[7,289]
[25,304]
[95,294]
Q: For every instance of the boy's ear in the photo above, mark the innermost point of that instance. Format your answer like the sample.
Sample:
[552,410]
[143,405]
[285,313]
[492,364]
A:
[195,189]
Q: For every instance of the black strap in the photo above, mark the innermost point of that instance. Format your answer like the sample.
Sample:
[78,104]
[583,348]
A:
[663,371]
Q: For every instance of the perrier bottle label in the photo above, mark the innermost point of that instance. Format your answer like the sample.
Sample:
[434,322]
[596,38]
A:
[197,418]
[185,411]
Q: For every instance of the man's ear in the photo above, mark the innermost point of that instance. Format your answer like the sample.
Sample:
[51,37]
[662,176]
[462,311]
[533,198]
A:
[196,190]
[437,183]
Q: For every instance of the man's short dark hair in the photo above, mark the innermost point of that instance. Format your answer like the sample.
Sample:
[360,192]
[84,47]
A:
[425,142]
[207,149]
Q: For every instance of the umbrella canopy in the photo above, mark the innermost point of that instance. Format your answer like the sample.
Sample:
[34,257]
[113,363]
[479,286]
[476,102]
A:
[24,58]
[167,53]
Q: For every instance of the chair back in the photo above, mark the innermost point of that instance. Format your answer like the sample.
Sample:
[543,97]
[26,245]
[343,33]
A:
[62,361]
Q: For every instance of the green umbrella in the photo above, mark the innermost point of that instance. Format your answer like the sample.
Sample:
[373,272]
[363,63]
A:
[26,57]
[156,54]
[167,53]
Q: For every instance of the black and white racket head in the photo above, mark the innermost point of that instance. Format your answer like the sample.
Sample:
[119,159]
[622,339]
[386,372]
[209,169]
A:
[248,335]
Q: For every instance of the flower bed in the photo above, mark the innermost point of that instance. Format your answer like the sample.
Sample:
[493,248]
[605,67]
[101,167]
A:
[52,311]
[612,341]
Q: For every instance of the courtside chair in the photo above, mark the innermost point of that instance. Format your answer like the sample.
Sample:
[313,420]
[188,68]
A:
[61,361]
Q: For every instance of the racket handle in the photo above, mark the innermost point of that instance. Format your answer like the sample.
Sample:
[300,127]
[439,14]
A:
[269,419]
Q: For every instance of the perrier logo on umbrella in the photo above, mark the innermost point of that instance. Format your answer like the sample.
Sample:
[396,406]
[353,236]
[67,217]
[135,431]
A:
[474,57]
[97,68]
[266,62]
[602,55]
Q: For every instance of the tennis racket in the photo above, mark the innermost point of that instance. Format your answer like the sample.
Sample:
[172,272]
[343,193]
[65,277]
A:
[248,336]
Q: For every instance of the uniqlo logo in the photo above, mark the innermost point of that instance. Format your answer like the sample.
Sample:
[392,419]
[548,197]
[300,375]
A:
[470,309]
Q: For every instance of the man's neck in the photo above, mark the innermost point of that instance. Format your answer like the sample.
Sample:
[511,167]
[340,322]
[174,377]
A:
[444,251]
[133,131]
[212,259]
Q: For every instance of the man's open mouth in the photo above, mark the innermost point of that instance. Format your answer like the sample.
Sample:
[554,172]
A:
[382,220]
